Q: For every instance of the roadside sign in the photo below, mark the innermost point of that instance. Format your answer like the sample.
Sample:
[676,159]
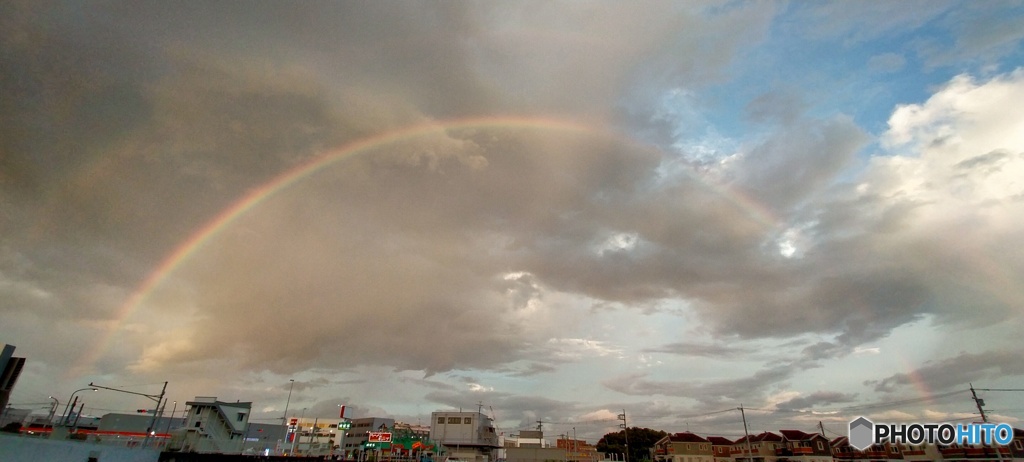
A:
[380,437]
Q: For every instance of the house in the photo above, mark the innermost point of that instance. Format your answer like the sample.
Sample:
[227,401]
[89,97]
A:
[757,448]
[803,447]
[843,452]
[1016,447]
[721,448]
[683,447]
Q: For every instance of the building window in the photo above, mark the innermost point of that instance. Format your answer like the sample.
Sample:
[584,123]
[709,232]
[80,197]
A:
[1017,443]
[440,420]
[893,449]
[821,446]
[467,420]
[198,424]
[241,416]
[455,420]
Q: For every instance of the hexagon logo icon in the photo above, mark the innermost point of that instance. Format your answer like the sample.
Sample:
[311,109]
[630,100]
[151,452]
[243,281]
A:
[862,433]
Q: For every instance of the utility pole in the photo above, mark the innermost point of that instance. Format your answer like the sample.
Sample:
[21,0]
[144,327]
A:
[822,427]
[625,433]
[750,452]
[979,402]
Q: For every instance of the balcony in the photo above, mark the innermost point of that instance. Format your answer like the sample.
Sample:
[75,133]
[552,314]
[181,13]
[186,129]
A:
[952,452]
[794,451]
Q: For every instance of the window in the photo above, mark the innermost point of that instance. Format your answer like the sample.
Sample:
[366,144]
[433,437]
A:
[440,420]
[198,424]
[197,411]
[1017,443]
[241,417]
[455,420]
[893,449]
[821,446]
[468,420]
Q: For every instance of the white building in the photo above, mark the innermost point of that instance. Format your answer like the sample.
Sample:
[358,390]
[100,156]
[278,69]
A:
[466,436]
[212,426]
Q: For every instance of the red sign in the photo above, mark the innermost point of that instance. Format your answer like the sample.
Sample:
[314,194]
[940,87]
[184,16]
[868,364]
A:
[380,437]
[294,421]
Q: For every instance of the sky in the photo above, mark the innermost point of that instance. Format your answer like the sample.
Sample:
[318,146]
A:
[547,211]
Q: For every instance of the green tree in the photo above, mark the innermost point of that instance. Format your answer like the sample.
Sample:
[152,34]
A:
[641,440]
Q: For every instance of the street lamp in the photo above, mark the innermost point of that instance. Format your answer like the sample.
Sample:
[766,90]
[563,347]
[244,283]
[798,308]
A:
[284,418]
[71,405]
[170,420]
[53,410]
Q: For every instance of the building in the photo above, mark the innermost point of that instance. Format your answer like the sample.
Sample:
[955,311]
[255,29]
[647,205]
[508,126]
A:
[212,426]
[1017,445]
[721,447]
[529,446]
[10,369]
[798,446]
[410,441]
[683,447]
[757,448]
[466,436]
[577,450]
[356,443]
[843,452]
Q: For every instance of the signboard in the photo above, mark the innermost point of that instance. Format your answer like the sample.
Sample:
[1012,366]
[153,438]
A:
[344,425]
[380,437]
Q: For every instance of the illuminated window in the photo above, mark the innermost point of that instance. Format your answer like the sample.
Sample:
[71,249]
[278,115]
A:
[455,420]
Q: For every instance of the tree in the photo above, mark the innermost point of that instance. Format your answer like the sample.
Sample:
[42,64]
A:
[641,440]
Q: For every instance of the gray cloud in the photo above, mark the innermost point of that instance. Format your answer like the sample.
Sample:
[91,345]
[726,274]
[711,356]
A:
[955,371]
[720,392]
[822,398]
[715,350]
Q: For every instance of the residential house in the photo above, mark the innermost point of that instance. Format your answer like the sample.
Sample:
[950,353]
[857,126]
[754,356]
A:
[799,446]
[683,447]
[1017,445]
[721,448]
[843,452]
[757,448]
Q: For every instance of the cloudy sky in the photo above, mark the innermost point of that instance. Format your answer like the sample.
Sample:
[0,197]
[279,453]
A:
[555,211]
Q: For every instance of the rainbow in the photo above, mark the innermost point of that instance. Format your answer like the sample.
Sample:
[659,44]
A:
[296,174]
